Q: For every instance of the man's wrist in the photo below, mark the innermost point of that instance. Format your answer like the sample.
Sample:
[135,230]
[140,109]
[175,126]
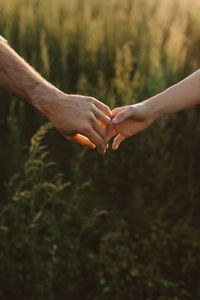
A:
[43,97]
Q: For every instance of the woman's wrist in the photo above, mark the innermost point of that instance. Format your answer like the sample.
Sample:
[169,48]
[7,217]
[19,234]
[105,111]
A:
[154,108]
[149,110]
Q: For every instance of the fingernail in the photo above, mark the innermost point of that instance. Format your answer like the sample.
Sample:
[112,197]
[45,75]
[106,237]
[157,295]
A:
[114,148]
[102,152]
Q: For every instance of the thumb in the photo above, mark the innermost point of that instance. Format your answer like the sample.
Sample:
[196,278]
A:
[117,141]
[122,116]
[117,110]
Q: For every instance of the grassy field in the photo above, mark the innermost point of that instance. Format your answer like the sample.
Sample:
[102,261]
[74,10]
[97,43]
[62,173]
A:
[76,225]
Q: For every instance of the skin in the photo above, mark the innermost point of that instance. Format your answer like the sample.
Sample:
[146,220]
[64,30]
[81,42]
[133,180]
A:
[78,118]
[132,119]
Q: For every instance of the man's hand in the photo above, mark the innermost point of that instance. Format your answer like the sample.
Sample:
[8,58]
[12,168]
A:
[127,121]
[82,119]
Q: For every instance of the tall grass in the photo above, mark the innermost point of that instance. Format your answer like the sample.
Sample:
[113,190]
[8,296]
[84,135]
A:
[122,226]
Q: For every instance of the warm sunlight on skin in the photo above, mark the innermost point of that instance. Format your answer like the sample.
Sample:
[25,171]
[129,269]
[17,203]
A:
[128,127]
[82,140]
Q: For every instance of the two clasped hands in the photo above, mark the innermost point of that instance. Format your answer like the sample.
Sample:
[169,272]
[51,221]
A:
[84,119]
[91,123]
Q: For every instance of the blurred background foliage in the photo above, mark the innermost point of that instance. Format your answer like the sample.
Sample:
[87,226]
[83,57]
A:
[76,225]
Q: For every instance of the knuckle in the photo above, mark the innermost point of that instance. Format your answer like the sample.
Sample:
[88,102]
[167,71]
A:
[106,123]
[91,116]
[85,128]
[107,120]
[90,99]
[131,108]
[107,110]
[92,106]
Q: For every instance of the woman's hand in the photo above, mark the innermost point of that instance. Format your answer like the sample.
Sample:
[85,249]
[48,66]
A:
[128,121]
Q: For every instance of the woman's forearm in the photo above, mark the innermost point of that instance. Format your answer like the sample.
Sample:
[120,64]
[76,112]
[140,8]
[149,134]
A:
[132,119]
[178,97]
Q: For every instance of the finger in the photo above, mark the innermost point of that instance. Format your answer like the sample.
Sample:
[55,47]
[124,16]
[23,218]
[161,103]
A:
[111,132]
[102,117]
[103,107]
[117,141]
[100,129]
[117,110]
[121,116]
[81,139]
[94,137]
[102,149]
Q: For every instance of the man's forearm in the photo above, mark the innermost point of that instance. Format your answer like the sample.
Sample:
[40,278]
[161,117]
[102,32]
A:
[178,97]
[76,117]
[21,80]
